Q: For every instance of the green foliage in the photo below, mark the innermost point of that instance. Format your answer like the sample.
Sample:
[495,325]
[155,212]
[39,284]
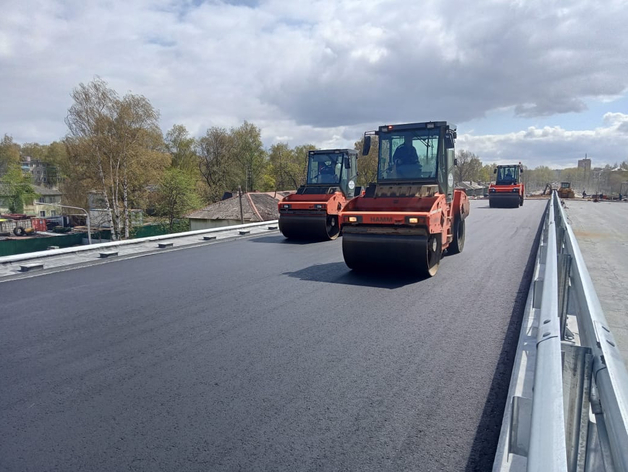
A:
[301,155]
[249,153]
[215,150]
[56,159]
[182,149]
[538,178]
[486,173]
[367,165]
[469,167]
[288,167]
[34,151]
[9,154]
[176,196]
[17,189]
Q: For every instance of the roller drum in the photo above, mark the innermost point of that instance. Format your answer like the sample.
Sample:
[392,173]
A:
[504,200]
[415,255]
[309,228]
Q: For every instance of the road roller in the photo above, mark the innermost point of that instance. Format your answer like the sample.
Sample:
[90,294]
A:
[312,212]
[413,214]
[508,191]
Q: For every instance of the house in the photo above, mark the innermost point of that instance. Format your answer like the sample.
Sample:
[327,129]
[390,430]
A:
[34,208]
[41,173]
[49,196]
[256,207]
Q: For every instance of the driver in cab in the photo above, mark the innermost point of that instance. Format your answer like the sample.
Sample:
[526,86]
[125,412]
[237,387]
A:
[327,172]
[406,160]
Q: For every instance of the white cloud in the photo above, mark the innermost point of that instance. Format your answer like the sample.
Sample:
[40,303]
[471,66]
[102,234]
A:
[555,146]
[322,71]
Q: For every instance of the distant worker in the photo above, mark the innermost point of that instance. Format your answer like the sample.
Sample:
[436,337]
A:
[584,194]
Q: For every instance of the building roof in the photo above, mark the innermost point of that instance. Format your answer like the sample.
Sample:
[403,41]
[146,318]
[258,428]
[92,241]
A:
[280,194]
[255,207]
[45,191]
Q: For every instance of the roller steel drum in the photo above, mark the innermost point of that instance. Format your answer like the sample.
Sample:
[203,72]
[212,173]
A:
[415,255]
[309,228]
[504,200]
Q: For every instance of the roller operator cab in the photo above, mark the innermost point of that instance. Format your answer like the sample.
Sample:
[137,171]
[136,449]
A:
[413,213]
[312,212]
[508,191]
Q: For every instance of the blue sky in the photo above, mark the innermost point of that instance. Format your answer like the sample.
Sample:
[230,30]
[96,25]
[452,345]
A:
[538,81]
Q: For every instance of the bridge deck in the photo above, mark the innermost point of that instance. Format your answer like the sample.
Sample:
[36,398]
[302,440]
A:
[259,354]
[602,232]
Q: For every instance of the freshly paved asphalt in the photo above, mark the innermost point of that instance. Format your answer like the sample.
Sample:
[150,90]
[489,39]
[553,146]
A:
[259,354]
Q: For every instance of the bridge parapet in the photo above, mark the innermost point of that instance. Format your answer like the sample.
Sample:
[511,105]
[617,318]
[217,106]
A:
[567,407]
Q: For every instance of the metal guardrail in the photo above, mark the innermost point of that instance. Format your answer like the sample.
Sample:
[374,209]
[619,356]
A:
[567,407]
[127,242]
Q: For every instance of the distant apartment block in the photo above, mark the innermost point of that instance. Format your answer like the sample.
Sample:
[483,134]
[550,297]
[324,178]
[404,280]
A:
[584,164]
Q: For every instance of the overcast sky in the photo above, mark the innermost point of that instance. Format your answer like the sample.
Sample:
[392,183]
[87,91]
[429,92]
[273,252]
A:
[543,82]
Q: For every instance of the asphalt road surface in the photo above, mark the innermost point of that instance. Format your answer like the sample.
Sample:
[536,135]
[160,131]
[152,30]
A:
[260,354]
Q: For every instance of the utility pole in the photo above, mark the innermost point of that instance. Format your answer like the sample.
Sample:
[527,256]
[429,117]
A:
[240,197]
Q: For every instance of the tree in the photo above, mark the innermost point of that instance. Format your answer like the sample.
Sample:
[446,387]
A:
[249,153]
[469,167]
[539,177]
[17,188]
[282,166]
[486,173]
[289,166]
[34,150]
[117,144]
[215,151]
[367,165]
[57,162]
[298,175]
[9,154]
[182,149]
[176,195]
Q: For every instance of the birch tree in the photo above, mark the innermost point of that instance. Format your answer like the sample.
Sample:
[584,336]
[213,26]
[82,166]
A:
[118,143]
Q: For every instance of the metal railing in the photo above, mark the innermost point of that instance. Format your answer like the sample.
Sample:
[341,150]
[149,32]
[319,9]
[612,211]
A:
[567,407]
[129,242]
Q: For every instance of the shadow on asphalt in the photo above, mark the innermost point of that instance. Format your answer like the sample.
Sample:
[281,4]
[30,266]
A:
[488,431]
[280,239]
[339,273]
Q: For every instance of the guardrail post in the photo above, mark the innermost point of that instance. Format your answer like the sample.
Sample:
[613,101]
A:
[564,272]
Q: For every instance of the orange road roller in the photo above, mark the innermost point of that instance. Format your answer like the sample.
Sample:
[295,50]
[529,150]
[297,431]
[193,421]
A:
[508,191]
[412,214]
[312,212]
